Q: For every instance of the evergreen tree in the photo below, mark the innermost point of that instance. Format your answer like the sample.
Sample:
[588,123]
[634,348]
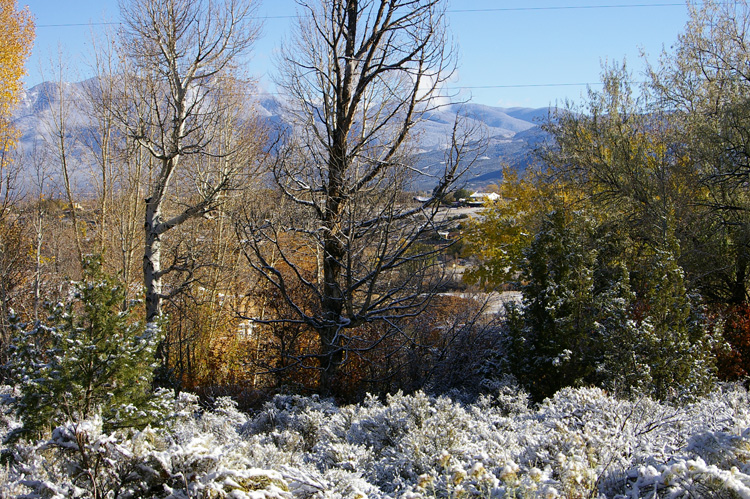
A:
[675,339]
[551,332]
[89,357]
[596,313]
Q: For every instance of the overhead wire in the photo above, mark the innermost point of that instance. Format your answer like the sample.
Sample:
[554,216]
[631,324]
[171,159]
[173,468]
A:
[467,11]
[450,11]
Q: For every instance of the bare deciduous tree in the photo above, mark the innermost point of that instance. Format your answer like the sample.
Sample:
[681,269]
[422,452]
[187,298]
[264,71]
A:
[100,94]
[61,139]
[180,53]
[40,176]
[119,163]
[359,76]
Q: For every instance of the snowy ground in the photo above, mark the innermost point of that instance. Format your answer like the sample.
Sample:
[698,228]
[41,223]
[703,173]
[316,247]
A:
[582,443]
[494,302]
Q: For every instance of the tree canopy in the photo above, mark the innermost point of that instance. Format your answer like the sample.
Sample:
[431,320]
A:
[16,38]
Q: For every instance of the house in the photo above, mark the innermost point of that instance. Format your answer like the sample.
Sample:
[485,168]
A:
[480,198]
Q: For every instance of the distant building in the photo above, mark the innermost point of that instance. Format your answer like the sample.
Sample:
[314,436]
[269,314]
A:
[479,198]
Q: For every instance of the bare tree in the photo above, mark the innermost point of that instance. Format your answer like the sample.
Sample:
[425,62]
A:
[100,94]
[40,177]
[13,241]
[119,163]
[179,53]
[61,138]
[359,76]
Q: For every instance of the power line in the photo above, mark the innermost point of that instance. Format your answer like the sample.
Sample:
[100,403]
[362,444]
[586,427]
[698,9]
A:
[522,9]
[525,85]
[569,7]
[450,11]
[75,25]
[451,88]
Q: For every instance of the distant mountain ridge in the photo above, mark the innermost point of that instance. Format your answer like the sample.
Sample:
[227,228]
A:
[509,131]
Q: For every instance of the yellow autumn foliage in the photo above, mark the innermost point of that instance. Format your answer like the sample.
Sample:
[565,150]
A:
[16,37]
[497,239]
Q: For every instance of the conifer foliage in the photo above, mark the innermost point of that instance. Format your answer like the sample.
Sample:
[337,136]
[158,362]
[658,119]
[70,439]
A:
[585,321]
[89,357]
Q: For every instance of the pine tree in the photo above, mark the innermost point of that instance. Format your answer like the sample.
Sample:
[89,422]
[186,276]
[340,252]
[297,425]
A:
[675,340]
[89,357]
[550,334]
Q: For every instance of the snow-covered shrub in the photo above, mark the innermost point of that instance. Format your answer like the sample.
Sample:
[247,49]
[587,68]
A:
[195,454]
[9,421]
[687,478]
[580,443]
[504,394]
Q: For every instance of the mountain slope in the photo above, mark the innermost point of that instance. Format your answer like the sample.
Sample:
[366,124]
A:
[508,131]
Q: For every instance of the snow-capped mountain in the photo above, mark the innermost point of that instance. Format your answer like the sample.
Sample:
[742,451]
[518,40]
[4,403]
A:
[509,135]
[508,131]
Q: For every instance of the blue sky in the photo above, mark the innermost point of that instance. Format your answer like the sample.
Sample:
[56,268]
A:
[512,52]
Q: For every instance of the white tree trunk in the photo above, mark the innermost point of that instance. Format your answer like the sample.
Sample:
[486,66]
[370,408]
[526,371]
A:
[152,261]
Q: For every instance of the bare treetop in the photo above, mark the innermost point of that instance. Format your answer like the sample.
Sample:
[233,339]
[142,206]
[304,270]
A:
[182,100]
[190,39]
[358,76]
[366,72]
[181,49]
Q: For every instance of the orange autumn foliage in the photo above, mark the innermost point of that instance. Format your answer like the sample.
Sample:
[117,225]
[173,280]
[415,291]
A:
[734,363]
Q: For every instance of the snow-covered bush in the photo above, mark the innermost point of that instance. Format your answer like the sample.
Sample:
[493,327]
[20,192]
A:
[195,454]
[580,443]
